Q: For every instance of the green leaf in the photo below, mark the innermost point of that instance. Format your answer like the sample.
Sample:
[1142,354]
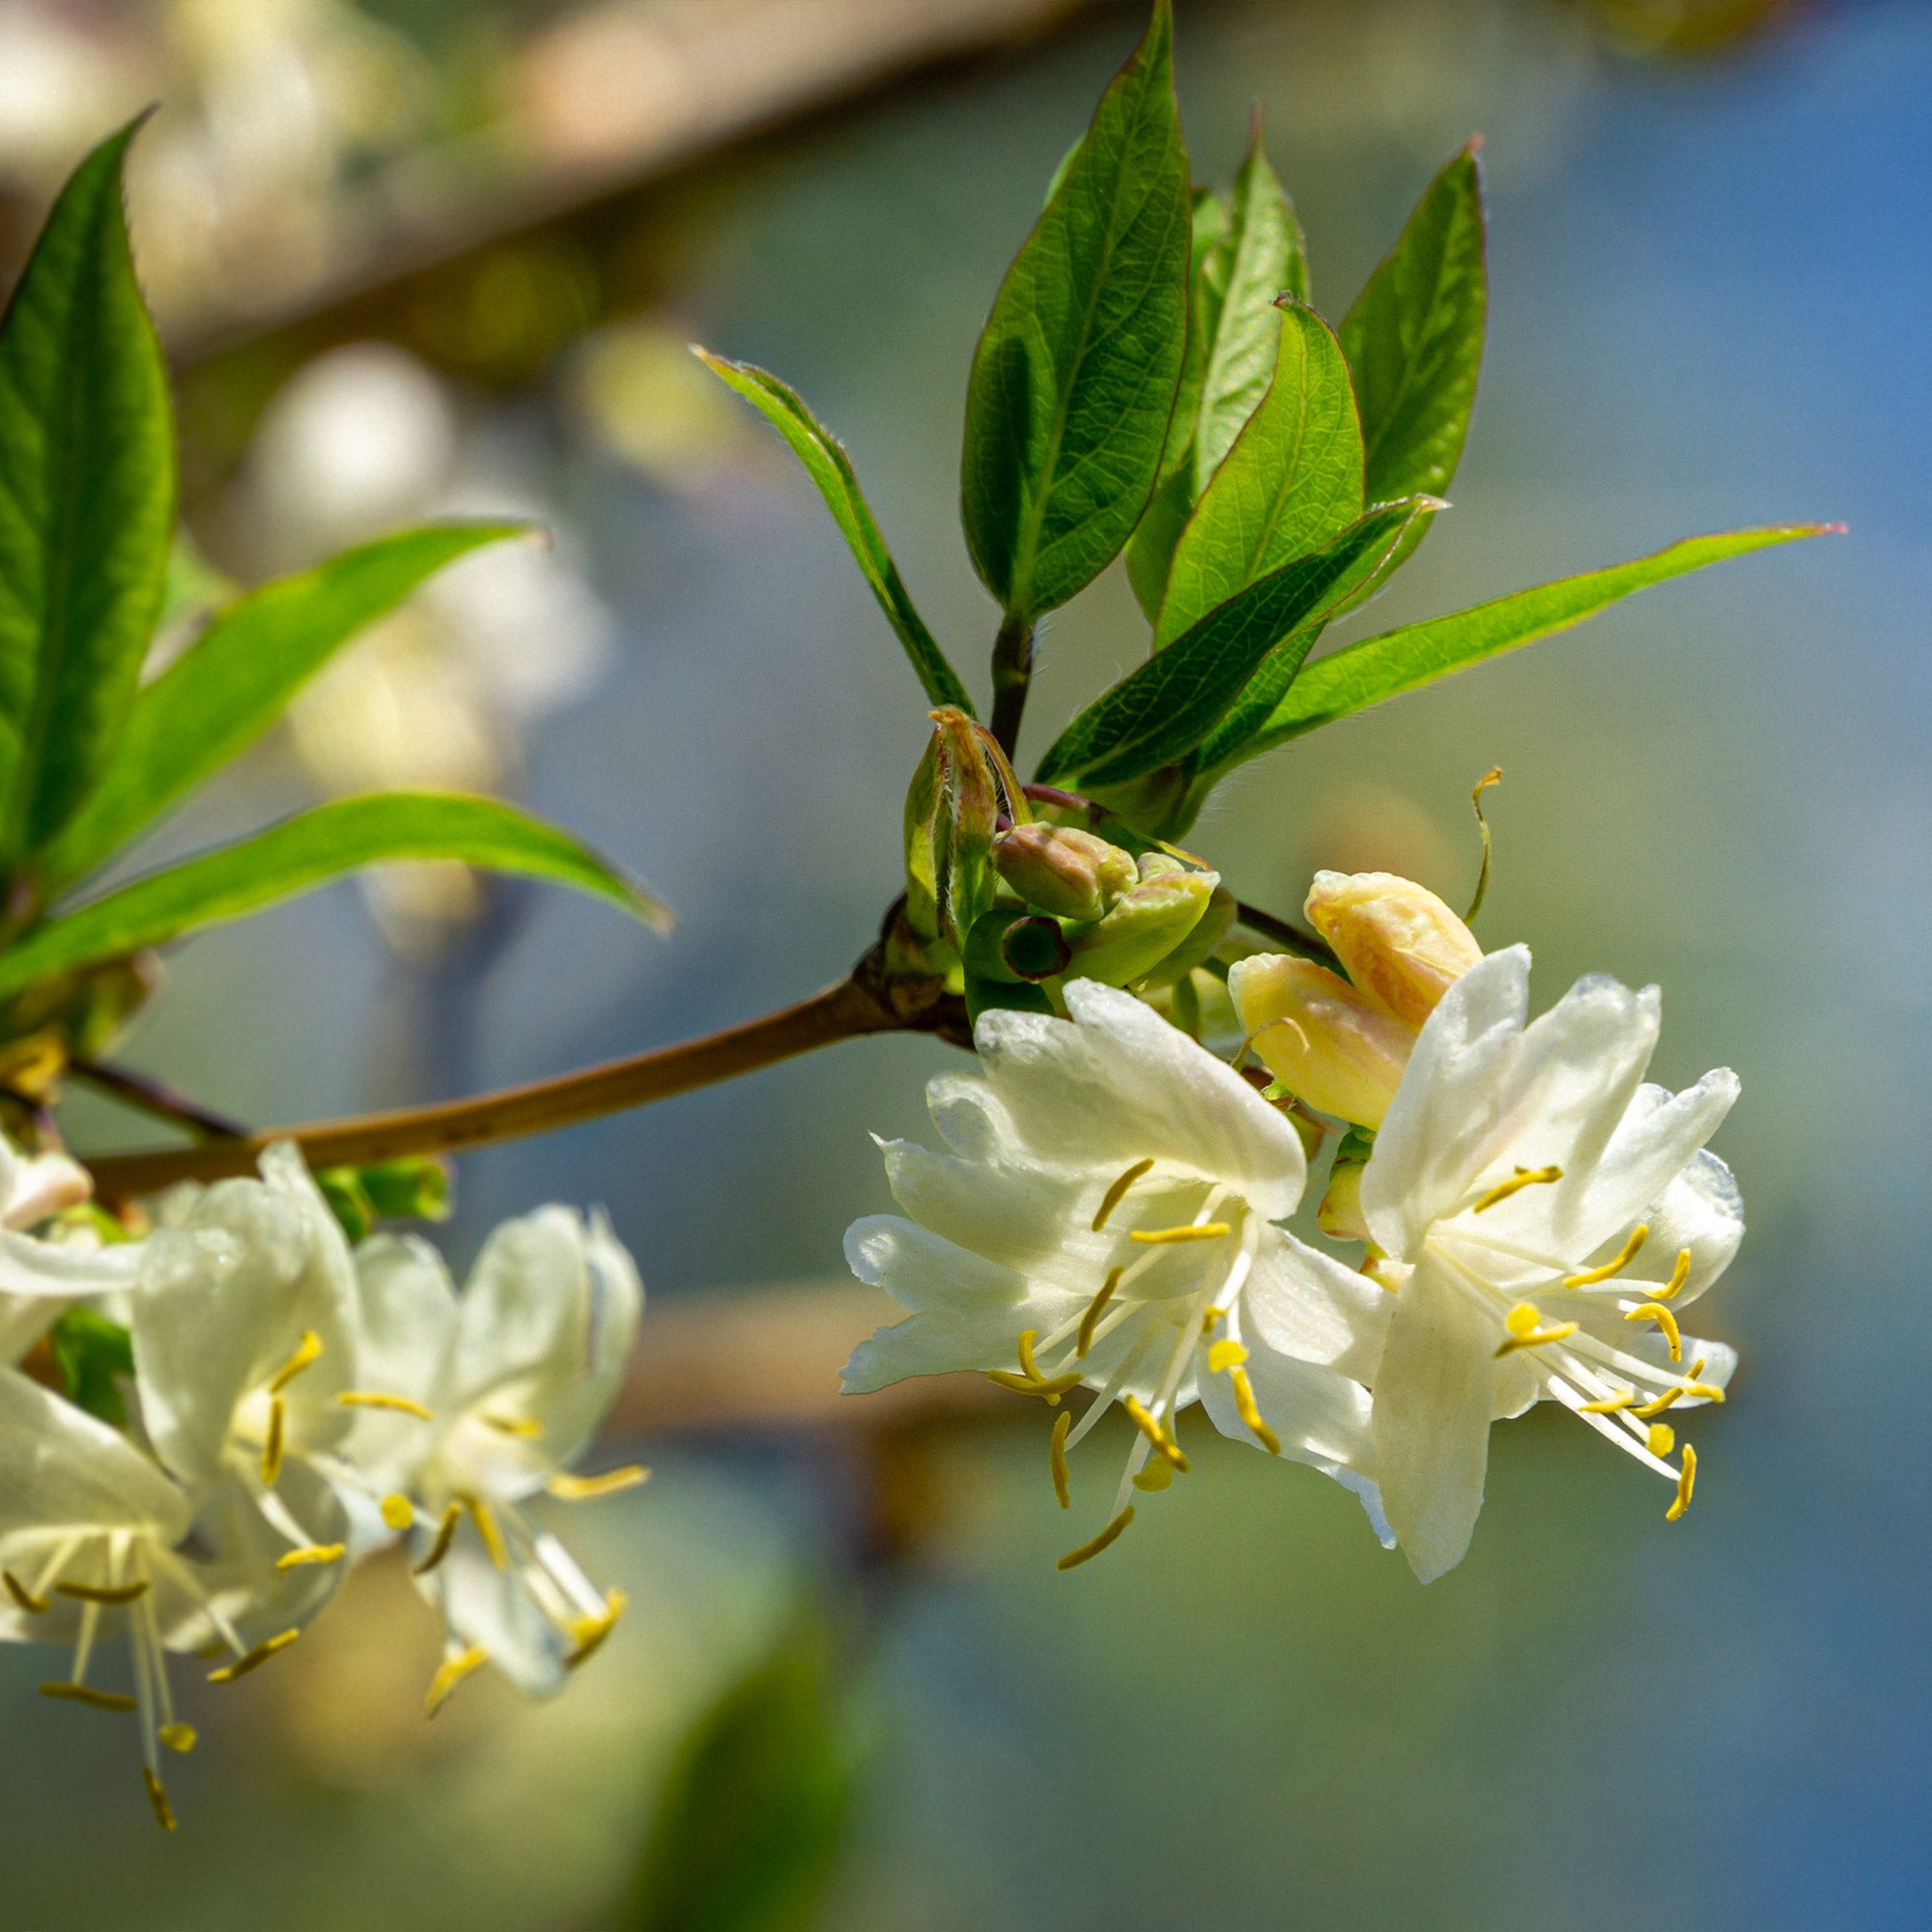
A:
[306,851]
[831,468]
[1414,339]
[87,485]
[1292,481]
[1365,673]
[94,1354]
[215,699]
[1074,380]
[1173,702]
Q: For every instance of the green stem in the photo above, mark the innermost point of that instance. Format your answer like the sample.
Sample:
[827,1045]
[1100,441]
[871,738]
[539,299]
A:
[1012,672]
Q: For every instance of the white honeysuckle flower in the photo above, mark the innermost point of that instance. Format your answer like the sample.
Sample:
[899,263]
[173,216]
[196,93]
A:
[31,1189]
[1105,1218]
[498,1392]
[1546,1215]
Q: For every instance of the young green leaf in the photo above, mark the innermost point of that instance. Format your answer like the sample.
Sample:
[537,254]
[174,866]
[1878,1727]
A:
[1414,339]
[1365,673]
[1293,480]
[86,502]
[306,851]
[831,468]
[1074,380]
[215,699]
[1172,703]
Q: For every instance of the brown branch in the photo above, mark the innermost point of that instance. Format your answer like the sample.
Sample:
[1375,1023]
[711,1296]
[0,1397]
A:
[1286,933]
[152,1096]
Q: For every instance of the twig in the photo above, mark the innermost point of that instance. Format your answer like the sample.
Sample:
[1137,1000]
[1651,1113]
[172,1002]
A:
[1289,935]
[151,1096]
[1012,672]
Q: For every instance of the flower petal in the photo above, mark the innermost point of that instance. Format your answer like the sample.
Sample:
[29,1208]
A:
[1304,1304]
[61,1468]
[67,1271]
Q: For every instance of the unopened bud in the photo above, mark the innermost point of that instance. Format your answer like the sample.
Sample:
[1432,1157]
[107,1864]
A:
[1063,871]
[1401,944]
[1009,945]
[1210,930]
[959,792]
[1319,1037]
[1340,1215]
[1142,927]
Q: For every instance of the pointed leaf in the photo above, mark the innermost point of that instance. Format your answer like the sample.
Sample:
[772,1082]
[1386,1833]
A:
[86,502]
[1074,380]
[215,699]
[306,851]
[831,468]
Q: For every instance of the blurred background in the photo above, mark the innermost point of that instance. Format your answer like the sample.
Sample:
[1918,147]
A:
[420,256]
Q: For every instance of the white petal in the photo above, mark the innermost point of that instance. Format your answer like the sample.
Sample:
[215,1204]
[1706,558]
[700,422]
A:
[408,1309]
[1021,1216]
[61,1467]
[481,1604]
[40,1186]
[1657,1140]
[69,1270]
[23,1319]
[1305,1304]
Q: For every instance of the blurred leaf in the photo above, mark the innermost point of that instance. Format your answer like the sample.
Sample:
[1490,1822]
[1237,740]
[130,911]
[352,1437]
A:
[238,677]
[1292,481]
[831,468]
[87,485]
[306,851]
[1074,380]
[1172,703]
[413,1188]
[92,1354]
[751,1818]
[1364,673]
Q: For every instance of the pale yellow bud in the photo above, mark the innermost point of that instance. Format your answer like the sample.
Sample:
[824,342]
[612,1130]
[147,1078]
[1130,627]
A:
[1340,1215]
[1401,944]
[1324,1041]
[1063,871]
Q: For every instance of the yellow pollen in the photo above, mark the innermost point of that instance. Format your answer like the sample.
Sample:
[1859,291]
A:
[1225,1356]
[306,1351]
[1655,1311]
[1162,1238]
[1107,1537]
[1609,1407]
[1686,1483]
[1523,1176]
[86,1693]
[1028,1368]
[164,1812]
[1029,1381]
[486,1528]
[1535,1338]
[445,1535]
[181,1738]
[253,1659]
[35,1607]
[1055,1457]
[524,1428]
[271,1447]
[1114,1196]
[1162,1441]
[1702,1391]
[95,1593]
[1522,1319]
[590,1632]
[311,1552]
[1250,1412]
[1589,1278]
[1156,1475]
[1659,1406]
[1661,1439]
[1678,1275]
[453,1671]
[398,1512]
[569,1489]
[1095,1309]
[1209,1317]
[402,1405]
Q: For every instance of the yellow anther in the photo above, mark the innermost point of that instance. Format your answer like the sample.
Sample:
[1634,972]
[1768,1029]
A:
[486,1528]
[1589,1278]
[402,1405]
[164,1812]
[1209,1317]
[1114,1196]
[1609,1406]
[569,1489]
[445,1535]
[1694,1390]
[1655,1311]
[453,1671]
[1250,1412]
[1028,1368]
[1145,1422]
[86,1693]
[590,1632]
[1535,1338]
[1108,1536]
[398,1512]
[304,1356]
[96,1593]
[1661,1439]
[181,1738]
[1095,1309]
[524,1427]
[1659,1406]
[1522,1319]
[253,1659]
[311,1552]
[1678,1275]
[1686,1481]
[1055,1457]
[35,1607]
[271,1446]
[1155,1475]
[1029,1381]
[1162,1238]
[1523,1176]
[1225,1355]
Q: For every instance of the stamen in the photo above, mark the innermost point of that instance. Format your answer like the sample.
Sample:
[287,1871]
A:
[1095,1310]
[1522,1319]
[1589,1278]
[403,1405]
[306,1351]
[86,1693]
[398,1512]
[486,1527]
[1162,1441]
[1107,1537]
[1672,1394]
[1678,1275]
[590,1632]
[1209,1317]
[1156,1475]
[570,1489]
[524,1428]
[271,1447]
[35,1607]
[1028,1366]
[1225,1355]
[1161,1237]
[1523,1176]
[311,1552]
[1116,1193]
[253,1659]
[445,1535]
[1056,1459]
[1534,1336]
[1609,1407]
[180,1738]
[1031,1381]
[1701,1391]
[1250,1412]
[1661,1439]
[1686,1483]
[96,1593]
[453,1671]
[164,1812]
[1653,1311]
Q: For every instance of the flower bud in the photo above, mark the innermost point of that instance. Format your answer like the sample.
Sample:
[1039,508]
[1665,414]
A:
[1401,944]
[1008,946]
[1142,927]
[1340,1215]
[1319,1037]
[1061,870]
[962,787]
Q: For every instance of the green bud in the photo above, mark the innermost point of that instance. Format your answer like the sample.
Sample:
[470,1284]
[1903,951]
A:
[1061,870]
[415,1188]
[1011,945]
[1200,944]
[1142,927]
[959,794]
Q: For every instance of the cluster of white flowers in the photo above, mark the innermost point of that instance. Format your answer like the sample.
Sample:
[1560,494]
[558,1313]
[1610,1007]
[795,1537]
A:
[1534,1214]
[296,1404]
